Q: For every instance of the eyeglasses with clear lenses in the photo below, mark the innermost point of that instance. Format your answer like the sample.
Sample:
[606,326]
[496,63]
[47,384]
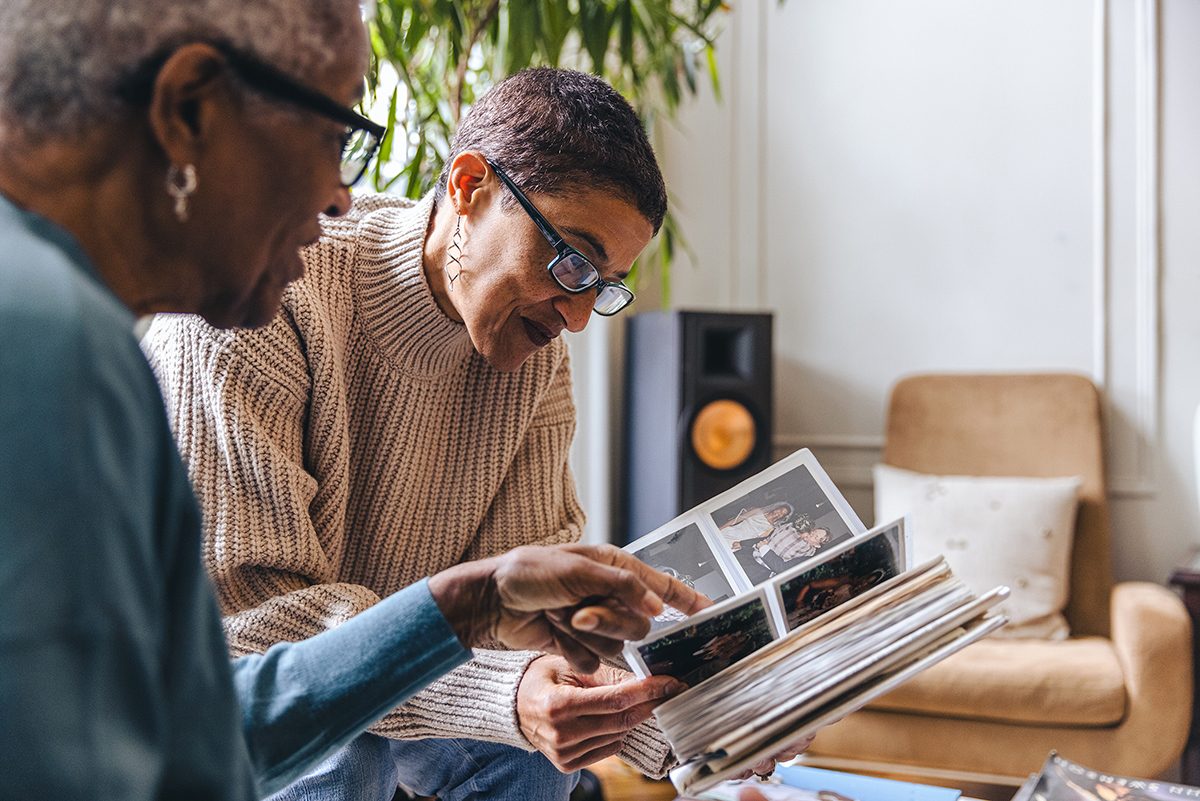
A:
[572,270]
[361,139]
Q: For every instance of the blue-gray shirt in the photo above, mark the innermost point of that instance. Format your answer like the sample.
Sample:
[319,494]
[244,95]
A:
[114,677]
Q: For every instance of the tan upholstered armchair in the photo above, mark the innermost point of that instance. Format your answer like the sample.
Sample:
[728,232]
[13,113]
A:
[1117,696]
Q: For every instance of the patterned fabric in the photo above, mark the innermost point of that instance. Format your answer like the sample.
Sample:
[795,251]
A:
[359,443]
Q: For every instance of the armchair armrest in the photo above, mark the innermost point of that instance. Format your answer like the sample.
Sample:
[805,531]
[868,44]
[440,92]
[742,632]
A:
[1152,637]
[1187,577]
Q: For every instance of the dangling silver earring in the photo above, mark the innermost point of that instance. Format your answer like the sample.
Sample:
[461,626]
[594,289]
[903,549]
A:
[454,252]
[181,183]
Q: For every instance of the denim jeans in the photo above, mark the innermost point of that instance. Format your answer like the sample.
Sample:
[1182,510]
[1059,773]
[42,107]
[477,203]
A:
[371,767]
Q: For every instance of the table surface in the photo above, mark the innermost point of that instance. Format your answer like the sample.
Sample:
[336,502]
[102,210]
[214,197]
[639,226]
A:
[623,783]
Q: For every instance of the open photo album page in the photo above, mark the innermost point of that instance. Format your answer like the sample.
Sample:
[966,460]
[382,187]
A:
[694,648]
[764,526]
[773,552]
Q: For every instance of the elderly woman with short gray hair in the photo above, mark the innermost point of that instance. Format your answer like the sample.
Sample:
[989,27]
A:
[173,155]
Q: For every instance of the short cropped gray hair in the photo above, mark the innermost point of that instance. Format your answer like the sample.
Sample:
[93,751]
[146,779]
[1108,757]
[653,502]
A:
[61,60]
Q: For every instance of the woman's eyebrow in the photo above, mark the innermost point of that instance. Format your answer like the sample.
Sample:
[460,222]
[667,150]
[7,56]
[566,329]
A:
[591,240]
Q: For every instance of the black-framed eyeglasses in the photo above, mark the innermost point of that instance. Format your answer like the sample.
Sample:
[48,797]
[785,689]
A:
[360,141]
[572,270]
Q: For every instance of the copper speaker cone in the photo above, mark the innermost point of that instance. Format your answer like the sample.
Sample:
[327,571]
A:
[723,434]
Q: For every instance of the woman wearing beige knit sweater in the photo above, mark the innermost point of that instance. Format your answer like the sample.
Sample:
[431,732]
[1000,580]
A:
[411,408]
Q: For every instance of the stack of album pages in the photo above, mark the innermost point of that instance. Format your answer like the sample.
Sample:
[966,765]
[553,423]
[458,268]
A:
[816,617]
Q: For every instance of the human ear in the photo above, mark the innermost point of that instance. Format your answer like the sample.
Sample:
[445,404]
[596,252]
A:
[184,103]
[468,175]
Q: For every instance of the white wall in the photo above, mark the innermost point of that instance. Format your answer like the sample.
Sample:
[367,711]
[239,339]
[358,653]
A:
[939,185]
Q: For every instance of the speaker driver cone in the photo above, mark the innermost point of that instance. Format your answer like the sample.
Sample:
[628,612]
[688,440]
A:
[723,434]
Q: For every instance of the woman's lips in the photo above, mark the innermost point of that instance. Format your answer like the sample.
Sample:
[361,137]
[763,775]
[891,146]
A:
[538,334]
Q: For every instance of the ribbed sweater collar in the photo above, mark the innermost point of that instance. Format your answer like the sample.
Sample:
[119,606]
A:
[395,304]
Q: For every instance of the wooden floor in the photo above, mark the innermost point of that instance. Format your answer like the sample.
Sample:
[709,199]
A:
[623,783]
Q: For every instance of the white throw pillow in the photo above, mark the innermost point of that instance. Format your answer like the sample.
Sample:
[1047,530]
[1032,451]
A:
[1011,531]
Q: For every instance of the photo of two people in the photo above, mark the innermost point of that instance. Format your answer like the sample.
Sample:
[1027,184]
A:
[779,525]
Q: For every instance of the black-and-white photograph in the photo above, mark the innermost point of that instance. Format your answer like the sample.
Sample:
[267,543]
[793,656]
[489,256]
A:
[695,652]
[686,555]
[865,563]
[780,524]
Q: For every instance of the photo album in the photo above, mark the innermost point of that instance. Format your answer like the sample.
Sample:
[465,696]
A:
[1063,780]
[814,616]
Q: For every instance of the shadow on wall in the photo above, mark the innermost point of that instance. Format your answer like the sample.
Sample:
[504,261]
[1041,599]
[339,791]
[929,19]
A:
[1145,546]
[839,421]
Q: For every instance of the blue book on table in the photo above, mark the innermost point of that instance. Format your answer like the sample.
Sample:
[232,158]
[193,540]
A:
[862,788]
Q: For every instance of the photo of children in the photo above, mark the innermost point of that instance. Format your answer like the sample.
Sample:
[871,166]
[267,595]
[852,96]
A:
[685,554]
[703,649]
[872,561]
[779,524]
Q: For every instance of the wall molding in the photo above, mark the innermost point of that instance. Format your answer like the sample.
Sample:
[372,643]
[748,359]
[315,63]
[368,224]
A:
[1133,469]
[1148,241]
[748,180]
[1133,473]
[851,442]
[847,458]
[1101,277]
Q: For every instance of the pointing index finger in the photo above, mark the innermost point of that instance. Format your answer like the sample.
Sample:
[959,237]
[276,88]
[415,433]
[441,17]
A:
[669,590]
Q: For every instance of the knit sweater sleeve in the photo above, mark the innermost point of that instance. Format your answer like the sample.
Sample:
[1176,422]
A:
[242,404]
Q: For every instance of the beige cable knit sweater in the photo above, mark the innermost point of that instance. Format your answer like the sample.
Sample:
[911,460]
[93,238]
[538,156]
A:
[358,444]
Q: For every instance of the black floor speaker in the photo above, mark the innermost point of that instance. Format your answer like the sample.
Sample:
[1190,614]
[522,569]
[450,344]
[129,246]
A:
[698,410]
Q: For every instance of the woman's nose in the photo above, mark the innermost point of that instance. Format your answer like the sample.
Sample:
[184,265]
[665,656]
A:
[576,309]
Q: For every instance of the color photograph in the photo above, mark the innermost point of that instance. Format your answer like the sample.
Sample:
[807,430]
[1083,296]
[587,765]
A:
[868,562]
[779,525]
[703,649]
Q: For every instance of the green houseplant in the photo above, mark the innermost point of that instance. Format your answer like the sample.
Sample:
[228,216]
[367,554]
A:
[431,58]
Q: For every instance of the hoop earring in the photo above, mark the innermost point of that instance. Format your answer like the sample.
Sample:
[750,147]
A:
[454,253]
[180,185]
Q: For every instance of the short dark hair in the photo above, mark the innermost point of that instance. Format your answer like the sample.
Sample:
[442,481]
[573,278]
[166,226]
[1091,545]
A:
[552,130]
